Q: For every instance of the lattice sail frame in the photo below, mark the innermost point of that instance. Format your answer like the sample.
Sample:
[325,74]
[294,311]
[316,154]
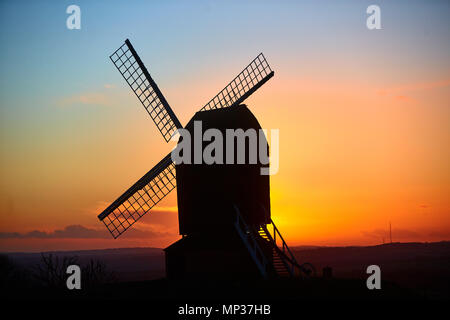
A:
[140,198]
[243,85]
[160,180]
[138,78]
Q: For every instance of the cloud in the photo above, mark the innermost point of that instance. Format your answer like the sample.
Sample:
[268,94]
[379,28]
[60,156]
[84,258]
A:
[81,232]
[93,98]
[398,234]
[107,95]
[398,92]
[165,209]
[424,86]
[441,234]
[403,98]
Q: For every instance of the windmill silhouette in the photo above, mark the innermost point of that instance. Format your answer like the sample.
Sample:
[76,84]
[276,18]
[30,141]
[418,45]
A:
[223,209]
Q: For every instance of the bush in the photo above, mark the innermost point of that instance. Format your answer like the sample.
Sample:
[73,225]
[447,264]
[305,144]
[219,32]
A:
[51,272]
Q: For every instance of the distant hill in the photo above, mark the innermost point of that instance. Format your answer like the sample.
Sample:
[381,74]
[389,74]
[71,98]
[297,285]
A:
[300,248]
[129,264]
[420,266]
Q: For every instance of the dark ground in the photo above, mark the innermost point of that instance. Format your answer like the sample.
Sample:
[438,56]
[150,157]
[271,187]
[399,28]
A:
[423,267]
[409,271]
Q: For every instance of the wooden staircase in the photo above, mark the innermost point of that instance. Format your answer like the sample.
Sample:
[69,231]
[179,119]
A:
[280,267]
[268,256]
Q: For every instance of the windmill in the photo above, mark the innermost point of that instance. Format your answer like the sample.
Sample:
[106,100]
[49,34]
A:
[224,211]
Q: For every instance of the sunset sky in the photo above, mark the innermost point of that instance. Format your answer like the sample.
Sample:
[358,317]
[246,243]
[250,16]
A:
[364,115]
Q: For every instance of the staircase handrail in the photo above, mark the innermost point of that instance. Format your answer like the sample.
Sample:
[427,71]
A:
[294,262]
[285,246]
[253,246]
[291,258]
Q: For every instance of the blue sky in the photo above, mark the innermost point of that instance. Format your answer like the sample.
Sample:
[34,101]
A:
[42,61]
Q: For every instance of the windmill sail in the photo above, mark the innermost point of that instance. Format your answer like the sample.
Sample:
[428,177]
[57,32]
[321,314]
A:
[243,85]
[140,198]
[138,78]
[159,181]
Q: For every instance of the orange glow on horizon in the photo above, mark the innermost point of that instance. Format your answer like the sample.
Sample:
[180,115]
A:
[363,118]
[351,161]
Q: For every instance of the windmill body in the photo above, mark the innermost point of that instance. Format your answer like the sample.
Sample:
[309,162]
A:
[224,209]
[208,196]
[208,193]
[220,255]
